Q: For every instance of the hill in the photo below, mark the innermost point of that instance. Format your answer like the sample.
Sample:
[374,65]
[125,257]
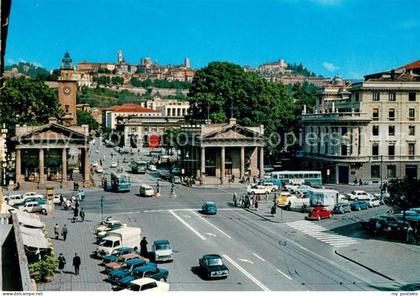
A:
[33,71]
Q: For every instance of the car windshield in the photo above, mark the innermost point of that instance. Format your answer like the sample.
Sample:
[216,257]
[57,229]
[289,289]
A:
[107,243]
[215,262]
[162,247]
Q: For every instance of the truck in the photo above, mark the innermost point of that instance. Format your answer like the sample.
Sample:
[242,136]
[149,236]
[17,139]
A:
[327,198]
[290,201]
[123,237]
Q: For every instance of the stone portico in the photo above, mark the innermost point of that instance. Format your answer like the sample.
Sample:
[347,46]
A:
[216,152]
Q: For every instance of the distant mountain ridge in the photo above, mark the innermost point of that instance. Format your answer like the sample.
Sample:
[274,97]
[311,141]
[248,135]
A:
[32,70]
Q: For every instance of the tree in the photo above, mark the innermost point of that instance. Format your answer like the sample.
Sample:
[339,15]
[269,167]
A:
[27,101]
[84,117]
[403,194]
[223,89]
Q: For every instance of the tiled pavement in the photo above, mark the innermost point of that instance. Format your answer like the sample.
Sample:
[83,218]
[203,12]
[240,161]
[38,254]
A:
[80,240]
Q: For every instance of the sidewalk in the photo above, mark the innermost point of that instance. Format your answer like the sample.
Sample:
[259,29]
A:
[281,216]
[395,261]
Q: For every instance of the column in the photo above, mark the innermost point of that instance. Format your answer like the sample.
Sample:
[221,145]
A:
[222,162]
[86,169]
[64,164]
[261,162]
[18,165]
[203,161]
[242,161]
[41,166]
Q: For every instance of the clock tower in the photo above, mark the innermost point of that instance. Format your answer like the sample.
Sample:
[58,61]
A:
[67,89]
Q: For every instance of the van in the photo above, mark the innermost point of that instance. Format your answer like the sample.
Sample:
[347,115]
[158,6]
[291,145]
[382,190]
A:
[146,190]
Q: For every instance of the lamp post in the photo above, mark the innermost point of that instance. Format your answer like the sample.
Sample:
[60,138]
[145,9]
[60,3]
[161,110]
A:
[382,157]
[102,208]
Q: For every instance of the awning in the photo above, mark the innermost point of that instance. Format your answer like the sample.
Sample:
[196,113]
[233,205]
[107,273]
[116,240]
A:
[34,238]
[30,221]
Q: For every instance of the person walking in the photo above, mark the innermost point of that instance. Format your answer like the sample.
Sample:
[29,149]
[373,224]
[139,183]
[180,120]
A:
[75,214]
[61,262]
[76,263]
[56,230]
[143,247]
[64,232]
[82,214]
[256,204]
[235,199]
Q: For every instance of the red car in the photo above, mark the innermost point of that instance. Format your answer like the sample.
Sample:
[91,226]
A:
[319,213]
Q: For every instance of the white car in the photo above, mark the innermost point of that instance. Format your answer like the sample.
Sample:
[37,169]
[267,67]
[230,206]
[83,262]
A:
[148,284]
[29,194]
[34,207]
[258,189]
[152,167]
[270,186]
[376,202]
[359,195]
[114,164]
[95,164]
[162,251]
[99,169]
[15,199]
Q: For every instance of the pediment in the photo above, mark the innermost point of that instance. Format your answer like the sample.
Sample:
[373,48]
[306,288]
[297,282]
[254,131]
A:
[232,132]
[52,132]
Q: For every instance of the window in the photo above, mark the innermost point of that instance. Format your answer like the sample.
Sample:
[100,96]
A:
[375,130]
[344,150]
[376,96]
[375,171]
[411,130]
[391,150]
[356,97]
[392,96]
[391,171]
[391,130]
[412,113]
[411,149]
[391,114]
[375,113]
[412,96]
[375,149]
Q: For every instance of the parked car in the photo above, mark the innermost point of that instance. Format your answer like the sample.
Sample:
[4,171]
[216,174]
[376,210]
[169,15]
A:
[359,195]
[15,199]
[29,194]
[121,261]
[162,250]
[99,169]
[102,234]
[212,266]
[116,253]
[319,213]
[127,268]
[270,186]
[359,205]
[376,202]
[109,225]
[38,198]
[209,208]
[34,207]
[148,284]
[341,208]
[151,167]
[148,271]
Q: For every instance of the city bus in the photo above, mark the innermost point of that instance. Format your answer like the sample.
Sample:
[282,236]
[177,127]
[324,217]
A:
[138,166]
[120,182]
[311,178]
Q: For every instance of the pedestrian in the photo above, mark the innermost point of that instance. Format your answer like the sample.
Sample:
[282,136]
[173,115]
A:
[82,214]
[256,205]
[254,179]
[61,199]
[75,213]
[61,262]
[235,199]
[233,178]
[64,232]
[105,183]
[143,248]
[56,230]
[76,263]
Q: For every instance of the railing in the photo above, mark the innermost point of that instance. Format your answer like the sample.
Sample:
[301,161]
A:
[336,116]
[356,158]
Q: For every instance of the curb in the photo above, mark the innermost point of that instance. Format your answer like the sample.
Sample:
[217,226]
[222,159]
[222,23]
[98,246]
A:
[264,217]
[364,266]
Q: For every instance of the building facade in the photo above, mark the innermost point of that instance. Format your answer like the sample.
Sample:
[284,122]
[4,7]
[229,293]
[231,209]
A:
[128,110]
[169,108]
[368,131]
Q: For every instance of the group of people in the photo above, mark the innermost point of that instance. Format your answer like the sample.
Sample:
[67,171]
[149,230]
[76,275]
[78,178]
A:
[76,263]
[64,231]
[246,201]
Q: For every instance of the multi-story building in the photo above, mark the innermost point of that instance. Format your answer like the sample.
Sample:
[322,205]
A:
[127,110]
[170,108]
[368,131]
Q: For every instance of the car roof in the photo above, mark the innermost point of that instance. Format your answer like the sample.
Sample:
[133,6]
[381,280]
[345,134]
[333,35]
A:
[147,267]
[135,261]
[143,281]
[212,256]
[161,242]
[210,203]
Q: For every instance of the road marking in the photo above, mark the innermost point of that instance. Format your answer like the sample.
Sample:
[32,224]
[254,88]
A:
[210,234]
[245,260]
[212,225]
[186,216]
[177,210]
[283,274]
[259,257]
[246,273]
[187,225]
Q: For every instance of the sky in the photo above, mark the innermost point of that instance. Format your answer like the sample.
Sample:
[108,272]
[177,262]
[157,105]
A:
[351,38]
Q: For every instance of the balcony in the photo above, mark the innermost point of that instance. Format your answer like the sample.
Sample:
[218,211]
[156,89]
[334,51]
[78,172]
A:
[351,117]
[358,159]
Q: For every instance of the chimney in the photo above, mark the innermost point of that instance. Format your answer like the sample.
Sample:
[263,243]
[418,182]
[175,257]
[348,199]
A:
[207,121]
[232,121]
[52,120]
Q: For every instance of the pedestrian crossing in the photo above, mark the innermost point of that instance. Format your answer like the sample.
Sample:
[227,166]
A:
[321,233]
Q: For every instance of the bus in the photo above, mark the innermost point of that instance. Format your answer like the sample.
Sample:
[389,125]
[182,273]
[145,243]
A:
[311,178]
[138,166]
[120,182]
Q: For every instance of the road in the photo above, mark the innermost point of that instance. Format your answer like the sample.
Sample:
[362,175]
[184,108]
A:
[262,256]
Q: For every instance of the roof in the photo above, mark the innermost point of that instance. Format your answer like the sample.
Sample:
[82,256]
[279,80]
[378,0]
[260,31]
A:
[34,238]
[212,256]
[147,267]
[410,66]
[143,281]
[132,108]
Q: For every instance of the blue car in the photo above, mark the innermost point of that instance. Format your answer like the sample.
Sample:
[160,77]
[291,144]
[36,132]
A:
[150,271]
[115,254]
[40,201]
[209,208]
[360,205]
[126,270]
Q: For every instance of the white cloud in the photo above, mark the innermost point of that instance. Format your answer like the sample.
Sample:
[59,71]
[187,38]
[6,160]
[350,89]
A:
[37,64]
[11,61]
[330,67]
[327,2]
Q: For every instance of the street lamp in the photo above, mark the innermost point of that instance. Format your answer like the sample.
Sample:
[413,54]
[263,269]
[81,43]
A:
[102,208]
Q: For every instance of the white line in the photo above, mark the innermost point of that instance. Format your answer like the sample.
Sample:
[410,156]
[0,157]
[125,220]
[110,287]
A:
[212,225]
[187,225]
[245,260]
[283,274]
[246,273]
[262,259]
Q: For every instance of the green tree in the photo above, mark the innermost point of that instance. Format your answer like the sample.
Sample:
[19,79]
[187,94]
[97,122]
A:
[403,194]
[27,101]
[223,89]
[84,117]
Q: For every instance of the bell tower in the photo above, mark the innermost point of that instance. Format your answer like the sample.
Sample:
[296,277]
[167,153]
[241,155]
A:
[67,90]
